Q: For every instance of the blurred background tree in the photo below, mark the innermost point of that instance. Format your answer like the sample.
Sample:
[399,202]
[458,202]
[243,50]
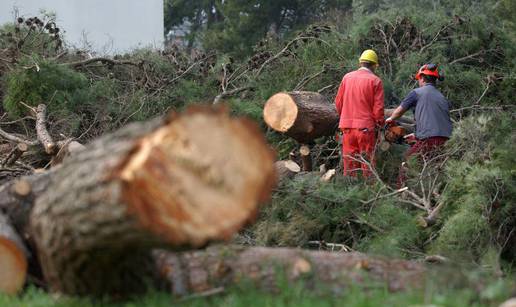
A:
[235,26]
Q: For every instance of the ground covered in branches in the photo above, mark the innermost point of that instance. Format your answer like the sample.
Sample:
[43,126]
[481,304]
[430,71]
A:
[473,183]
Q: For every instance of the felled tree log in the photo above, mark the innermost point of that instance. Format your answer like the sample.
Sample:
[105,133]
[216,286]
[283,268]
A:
[182,182]
[201,271]
[303,116]
[13,258]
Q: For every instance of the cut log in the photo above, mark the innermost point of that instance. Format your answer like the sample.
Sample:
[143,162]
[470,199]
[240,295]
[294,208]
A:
[328,175]
[286,169]
[183,182]
[41,129]
[201,271]
[17,199]
[306,158]
[13,258]
[303,116]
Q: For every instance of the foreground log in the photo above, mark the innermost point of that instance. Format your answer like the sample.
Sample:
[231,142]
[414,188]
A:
[191,179]
[216,267]
[13,258]
[303,116]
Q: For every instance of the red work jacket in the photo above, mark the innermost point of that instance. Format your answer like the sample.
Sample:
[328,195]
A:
[359,100]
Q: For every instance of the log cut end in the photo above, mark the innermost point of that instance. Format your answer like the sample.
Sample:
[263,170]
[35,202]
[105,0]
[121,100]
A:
[280,112]
[13,266]
[198,178]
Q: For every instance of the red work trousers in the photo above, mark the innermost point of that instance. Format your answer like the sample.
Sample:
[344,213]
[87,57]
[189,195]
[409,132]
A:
[358,144]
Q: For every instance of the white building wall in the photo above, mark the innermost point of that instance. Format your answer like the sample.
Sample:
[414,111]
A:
[109,26]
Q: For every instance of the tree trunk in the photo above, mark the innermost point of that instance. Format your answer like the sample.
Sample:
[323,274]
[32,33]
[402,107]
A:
[13,258]
[303,116]
[306,158]
[194,178]
[202,271]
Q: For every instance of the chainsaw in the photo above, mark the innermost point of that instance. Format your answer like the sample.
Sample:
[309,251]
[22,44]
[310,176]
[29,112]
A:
[394,133]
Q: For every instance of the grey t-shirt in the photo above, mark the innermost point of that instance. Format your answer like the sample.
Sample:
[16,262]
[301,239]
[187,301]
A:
[431,111]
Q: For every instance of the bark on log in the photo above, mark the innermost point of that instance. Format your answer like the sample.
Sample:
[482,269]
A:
[201,271]
[286,169]
[66,148]
[303,116]
[17,203]
[41,129]
[13,258]
[194,178]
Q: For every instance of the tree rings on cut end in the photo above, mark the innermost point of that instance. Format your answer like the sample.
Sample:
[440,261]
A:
[199,178]
[280,112]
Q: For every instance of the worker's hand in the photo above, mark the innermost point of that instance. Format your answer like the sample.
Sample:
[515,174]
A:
[410,138]
[389,121]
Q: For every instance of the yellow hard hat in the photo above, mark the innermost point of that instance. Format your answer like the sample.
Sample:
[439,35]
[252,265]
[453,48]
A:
[369,56]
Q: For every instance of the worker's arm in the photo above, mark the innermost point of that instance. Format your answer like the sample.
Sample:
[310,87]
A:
[378,105]
[409,102]
[398,112]
[339,97]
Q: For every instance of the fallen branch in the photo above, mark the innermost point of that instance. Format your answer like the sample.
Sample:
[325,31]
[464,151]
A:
[224,266]
[283,51]
[385,195]
[17,139]
[307,79]
[41,129]
[14,155]
[232,92]
[102,60]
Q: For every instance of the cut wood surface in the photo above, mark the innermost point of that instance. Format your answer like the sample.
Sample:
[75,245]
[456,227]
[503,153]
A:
[286,169]
[304,116]
[224,266]
[306,158]
[13,258]
[185,181]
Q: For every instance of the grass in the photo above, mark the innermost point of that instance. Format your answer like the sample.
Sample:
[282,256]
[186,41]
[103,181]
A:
[492,295]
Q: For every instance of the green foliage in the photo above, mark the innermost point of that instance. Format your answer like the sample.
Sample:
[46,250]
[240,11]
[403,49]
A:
[480,213]
[45,82]
[368,295]
[339,212]
[236,26]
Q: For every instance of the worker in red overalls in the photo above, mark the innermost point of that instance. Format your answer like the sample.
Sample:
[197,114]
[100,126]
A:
[360,105]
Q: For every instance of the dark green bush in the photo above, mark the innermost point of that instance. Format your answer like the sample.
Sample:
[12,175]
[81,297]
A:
[41,81]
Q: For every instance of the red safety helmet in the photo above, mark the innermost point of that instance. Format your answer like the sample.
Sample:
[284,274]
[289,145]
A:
[429,70]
